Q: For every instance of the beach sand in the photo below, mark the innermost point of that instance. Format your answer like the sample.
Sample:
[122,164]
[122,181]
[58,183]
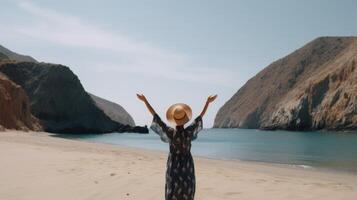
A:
[35,166]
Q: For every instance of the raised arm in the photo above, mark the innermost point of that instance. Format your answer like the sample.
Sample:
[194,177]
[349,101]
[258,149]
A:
[210,99]
[143,99]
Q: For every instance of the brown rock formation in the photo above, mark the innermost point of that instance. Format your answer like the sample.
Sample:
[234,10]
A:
[15,108]
[313,88]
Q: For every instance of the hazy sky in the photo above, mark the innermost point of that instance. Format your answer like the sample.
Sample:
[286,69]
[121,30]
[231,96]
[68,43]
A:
[172,51]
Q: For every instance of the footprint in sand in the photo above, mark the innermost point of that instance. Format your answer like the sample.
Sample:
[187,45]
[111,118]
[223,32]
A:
[260,180]
[279,181]
[233,193]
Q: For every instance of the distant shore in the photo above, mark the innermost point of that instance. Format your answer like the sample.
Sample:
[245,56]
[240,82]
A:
[37,166]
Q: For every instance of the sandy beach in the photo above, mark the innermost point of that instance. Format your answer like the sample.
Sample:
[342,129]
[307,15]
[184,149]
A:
[37,166]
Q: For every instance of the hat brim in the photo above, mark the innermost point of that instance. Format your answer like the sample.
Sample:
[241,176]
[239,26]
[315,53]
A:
[178,122]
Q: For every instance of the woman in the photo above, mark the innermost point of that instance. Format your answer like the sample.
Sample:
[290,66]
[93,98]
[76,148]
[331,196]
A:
[180,173]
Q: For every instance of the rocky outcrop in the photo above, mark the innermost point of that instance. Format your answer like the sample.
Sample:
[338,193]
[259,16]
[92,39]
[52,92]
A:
[3,56]
[113,110]
[136,129]
[15,107]
[15,56]
[58,99]
[313,88]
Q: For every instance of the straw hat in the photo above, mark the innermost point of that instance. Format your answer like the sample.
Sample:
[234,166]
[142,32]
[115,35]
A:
[179,114]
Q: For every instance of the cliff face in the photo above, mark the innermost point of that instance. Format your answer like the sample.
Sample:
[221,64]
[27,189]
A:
[315,87]
[15,107]
[113,110]
[58,98]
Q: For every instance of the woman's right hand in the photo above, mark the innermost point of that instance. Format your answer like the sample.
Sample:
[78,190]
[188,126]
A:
[211,98]
[141,97]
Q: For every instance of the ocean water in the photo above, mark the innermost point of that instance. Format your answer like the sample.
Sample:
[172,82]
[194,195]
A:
[337,150]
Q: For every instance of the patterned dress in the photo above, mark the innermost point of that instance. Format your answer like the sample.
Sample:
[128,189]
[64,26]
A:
[180,173]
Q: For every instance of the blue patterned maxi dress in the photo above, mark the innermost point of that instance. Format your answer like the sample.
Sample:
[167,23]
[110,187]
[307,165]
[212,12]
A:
[180,173]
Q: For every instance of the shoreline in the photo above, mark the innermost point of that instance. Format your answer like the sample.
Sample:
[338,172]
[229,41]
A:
[39,166]
[276,164]
[349,169]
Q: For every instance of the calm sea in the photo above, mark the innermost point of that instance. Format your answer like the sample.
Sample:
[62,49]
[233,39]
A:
[337,150]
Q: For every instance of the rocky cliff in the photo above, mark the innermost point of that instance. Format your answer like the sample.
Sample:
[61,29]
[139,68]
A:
[58,99]
[15,107]
[313,88]
[113,110]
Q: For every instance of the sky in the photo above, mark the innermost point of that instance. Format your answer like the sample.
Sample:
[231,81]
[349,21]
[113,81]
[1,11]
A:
[171,51]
